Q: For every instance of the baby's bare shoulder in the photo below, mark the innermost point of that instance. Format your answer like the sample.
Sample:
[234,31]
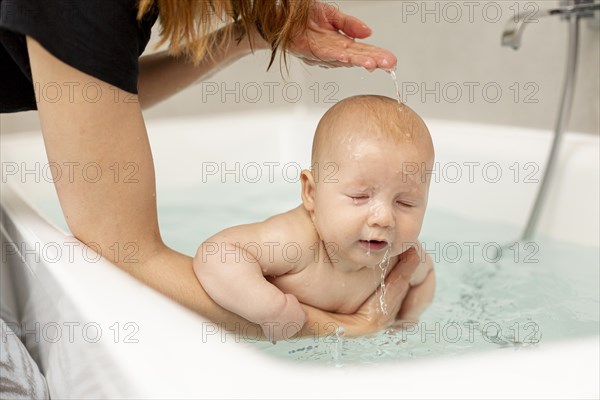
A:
[293,228]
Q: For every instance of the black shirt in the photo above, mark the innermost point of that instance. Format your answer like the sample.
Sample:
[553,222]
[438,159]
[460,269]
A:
[101,38]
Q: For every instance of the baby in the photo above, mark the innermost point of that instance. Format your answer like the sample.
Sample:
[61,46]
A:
[363,204]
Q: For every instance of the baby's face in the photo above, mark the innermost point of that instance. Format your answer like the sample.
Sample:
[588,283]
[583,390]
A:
[375,200]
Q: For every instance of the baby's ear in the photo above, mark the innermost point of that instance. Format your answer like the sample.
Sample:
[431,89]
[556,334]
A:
[308,190]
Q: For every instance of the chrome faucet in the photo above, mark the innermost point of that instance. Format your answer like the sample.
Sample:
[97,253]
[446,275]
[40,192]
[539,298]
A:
[513,31]
[572,11]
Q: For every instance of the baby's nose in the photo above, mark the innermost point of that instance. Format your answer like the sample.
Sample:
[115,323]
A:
[381,215]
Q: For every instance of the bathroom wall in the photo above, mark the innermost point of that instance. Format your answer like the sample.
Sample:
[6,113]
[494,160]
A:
[451,65]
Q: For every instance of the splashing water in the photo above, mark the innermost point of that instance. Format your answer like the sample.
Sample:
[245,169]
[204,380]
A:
[337,346]
[383,267]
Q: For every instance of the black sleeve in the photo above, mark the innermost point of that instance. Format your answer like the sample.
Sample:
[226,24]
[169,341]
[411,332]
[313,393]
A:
[101,38]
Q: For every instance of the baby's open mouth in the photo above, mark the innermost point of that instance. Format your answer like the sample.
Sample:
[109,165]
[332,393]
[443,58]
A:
[374,244]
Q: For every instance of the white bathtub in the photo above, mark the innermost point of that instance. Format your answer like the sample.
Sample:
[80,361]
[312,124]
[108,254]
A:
[179,355]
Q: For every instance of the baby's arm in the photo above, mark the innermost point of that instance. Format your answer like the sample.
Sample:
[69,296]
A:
[231,267]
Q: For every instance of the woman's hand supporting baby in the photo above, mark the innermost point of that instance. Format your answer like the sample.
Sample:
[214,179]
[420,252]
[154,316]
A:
[405,300]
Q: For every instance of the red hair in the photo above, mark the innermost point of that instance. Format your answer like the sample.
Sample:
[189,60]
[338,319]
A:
[186,24]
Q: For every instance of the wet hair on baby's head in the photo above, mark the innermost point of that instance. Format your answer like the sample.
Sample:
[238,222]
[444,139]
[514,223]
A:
[372,116]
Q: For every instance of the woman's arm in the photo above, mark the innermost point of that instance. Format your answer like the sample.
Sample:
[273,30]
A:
[163,75]
[120,215]
[107,133]
[110,132]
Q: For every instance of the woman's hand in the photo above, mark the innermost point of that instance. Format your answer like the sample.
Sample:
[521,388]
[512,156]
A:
[328,41]
[369,318]
[398,291]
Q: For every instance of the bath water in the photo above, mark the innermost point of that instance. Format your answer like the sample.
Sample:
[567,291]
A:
[537,293]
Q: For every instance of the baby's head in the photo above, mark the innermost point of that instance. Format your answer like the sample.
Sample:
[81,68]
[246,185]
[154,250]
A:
[367,190]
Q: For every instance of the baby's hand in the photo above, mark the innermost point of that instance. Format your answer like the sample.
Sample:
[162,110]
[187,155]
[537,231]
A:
[287,323]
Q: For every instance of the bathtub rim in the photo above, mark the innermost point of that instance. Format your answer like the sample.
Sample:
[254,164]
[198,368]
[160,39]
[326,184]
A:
[534,374]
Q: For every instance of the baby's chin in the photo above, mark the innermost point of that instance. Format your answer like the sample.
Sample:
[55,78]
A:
[375,259]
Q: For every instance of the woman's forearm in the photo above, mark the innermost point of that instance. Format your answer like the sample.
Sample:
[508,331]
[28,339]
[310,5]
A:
[172,274]
[111,212]
[163,75]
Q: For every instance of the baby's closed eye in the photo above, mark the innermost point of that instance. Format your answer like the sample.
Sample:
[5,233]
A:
[404,203]
[359,198]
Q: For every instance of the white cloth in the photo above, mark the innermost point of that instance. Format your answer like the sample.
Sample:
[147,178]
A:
[20,377]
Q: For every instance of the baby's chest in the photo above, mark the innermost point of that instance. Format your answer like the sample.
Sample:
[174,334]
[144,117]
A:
[328,289]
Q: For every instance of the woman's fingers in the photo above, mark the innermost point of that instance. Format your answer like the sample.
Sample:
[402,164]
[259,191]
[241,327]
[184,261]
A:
[351,26]
[364,61]
[354,55]
[369,318]
[328,42]
[397,282]
[382,58]
[396,289]
[421,292]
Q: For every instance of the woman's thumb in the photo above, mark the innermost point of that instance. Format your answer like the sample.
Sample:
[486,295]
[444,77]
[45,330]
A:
[397,281]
